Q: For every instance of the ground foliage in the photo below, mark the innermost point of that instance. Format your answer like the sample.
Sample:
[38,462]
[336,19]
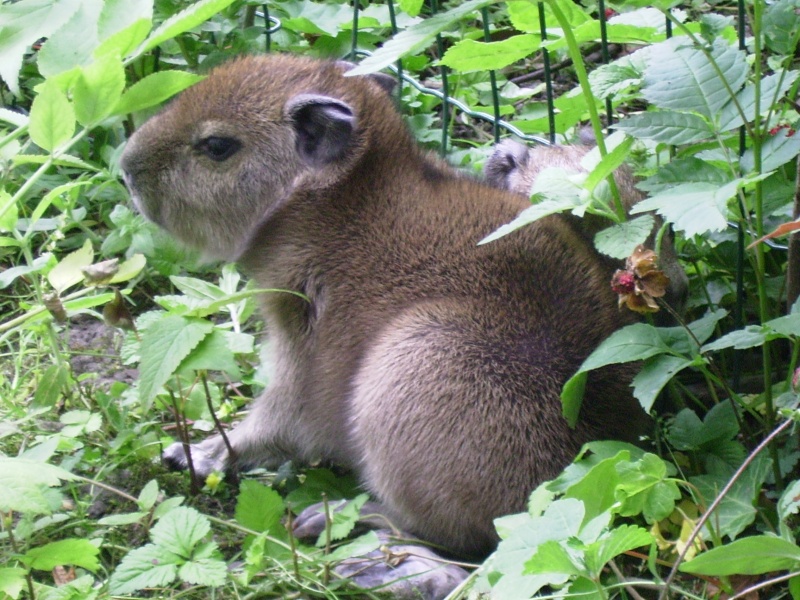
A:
[709,509]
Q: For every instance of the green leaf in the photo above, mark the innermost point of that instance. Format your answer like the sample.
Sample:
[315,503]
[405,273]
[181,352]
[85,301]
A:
[154,89]
[596,489]
[187,19]
[471,55]
[163,348]
[531,214]
[643,489]
[615,542]
[213,353]
[81,553]
[634,342]
[51,386]
[741,339]
[613,79]
[411,7]
[148,495]
[361,546]
[772,88]
[524,16]
[98,89]
[72,45]
[24,22]
[688,432]
[572,397]
[204,571]
[68,270]
[180,530]
[40,263]
[260,508]
[749,556]
[22,482]
[781,25]
[684,170]
[789,503]
[660,4]
[681,77]
[52,118]
[123,25]
[776,151]
[12,581]
[147,567]
[666,126]
[344,520]
[552,557]
[416,38]
[655,374]
[694,208]
[129,269]
[619,241]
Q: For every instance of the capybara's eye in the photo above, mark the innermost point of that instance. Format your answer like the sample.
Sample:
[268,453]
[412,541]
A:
[218,148]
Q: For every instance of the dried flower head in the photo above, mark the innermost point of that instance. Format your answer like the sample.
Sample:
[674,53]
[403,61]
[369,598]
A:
[641,282]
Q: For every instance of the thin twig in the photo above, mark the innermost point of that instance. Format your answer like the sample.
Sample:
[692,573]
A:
[707,515]
[628,587]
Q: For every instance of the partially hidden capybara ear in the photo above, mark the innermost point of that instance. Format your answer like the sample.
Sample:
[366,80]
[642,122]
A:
[323,126]
[507,157]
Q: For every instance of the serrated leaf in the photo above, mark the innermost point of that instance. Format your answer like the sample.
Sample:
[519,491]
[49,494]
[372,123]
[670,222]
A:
[694,208]
[772,88]
[615,542]
[655,374]
[615,78]
[68,270]
[72,45]
[415,38]
[361,546]
[345,519]
[123,25]
[145,567]
[780,26]
[180,530]
[22,24]
[12,581]
[22,483]
[52,118]
[51,386]
[472,55]
[154,89]
[212,353]
[749,556]
[552,557]
[684,170]
[259,508]
[681,77]
[666,126]
[776,151]
[185,20]
[164,347]
[17,119]
[789,503]
[620,240]
[81,553]
[596,489]
[741,339]
[204,571]
[129,269]
[524,16]
[98,89]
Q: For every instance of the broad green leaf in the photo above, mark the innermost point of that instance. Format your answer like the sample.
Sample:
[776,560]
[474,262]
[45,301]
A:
[596,489]
[772,89]
[661,4]
[24,22]
[344,519]
[612,79]
[411,7]
[197,288]
[14,118]
[122,519]
[681,77]
[164,347]
[471,55]
[688,432]
[68,270]
[524,16]
[81,553]
[98,89]
[204,571]
[789,503]
[12,581]
[180,530]
[416,38]
[23,482]
[694,208]
[684,170]
[51,386]
[147,567]
[619,241]
[123,25]
[615,542]
[154,89]
[129,269]
[781,26]
[52,118]
[618,148]
[72,45]
[666,126]
[213,353]
[741,339]
[187,19]
[776,150]
[748,556]
[260,508]
[634,342]
[552,557]
[572,397]
[148,496]
[361,546]
[531,214]
[655,374]
[643,488]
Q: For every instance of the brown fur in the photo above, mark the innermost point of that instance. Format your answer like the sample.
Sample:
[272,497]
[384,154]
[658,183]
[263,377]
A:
[429,364]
